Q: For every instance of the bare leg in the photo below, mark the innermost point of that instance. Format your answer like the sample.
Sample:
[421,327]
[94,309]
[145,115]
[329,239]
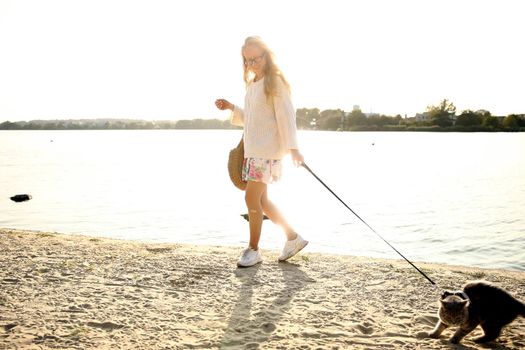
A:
[253,196]
[276,216]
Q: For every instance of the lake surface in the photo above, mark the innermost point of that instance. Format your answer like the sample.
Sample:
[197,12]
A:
[455,198]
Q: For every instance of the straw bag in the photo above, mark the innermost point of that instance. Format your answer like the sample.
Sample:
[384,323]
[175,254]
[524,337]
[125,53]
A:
[235,161]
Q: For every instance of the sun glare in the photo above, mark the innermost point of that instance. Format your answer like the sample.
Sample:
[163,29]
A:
[168,61]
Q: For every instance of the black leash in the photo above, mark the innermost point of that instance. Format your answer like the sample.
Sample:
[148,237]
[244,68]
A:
[364,222]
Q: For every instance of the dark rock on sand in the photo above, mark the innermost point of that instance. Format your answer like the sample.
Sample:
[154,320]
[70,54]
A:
[21,198]
[247,217]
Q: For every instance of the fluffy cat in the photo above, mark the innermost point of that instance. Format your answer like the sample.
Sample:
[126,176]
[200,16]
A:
[479,303]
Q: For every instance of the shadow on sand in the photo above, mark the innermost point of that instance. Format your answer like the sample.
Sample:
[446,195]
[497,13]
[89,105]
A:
[255,318]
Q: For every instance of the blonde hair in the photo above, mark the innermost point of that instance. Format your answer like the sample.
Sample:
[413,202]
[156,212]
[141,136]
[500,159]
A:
[271,70]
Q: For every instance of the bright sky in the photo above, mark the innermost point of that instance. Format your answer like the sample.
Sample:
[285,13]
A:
[152,59]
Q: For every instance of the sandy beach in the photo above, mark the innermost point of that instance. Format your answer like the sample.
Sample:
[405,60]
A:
[61,291]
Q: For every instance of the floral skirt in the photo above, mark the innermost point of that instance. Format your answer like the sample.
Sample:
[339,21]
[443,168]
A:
[261,170]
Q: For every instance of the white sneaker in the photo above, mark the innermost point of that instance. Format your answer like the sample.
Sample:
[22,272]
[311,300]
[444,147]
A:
[292,247]
[249,257]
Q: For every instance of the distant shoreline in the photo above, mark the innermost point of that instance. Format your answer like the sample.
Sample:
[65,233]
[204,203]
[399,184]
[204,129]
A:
[327,124]
[354,129]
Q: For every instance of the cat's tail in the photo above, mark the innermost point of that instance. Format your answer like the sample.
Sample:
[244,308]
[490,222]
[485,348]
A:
[522,309]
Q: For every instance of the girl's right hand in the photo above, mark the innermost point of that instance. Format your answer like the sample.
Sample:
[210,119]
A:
[223,104]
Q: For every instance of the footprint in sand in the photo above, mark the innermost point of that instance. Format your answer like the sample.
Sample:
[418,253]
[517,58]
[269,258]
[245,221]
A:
[268,327]
[9,326]
[107,326]
[422,335]
[158,250]
[363,328]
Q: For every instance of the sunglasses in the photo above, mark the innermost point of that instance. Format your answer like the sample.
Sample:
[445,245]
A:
[254,61]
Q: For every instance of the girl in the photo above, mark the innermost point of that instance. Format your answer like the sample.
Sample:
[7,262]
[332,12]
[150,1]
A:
[269,125]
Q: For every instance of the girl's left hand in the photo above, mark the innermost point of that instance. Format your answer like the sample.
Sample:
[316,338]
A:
[297,157]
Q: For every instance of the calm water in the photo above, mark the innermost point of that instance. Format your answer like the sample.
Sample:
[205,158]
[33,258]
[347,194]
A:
[454,198]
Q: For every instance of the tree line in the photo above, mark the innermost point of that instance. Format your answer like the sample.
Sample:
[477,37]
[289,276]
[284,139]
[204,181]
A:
[440,117]
[116,124]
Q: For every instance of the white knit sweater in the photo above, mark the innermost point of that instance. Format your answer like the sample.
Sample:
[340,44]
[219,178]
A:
[269,131]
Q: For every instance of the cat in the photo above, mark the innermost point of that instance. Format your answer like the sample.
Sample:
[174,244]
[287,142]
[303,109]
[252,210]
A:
[479,303]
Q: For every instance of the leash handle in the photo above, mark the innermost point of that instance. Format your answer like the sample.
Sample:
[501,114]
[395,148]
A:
[364,222]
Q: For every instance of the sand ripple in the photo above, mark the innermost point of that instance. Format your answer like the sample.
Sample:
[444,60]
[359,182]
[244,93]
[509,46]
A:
[73,292]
